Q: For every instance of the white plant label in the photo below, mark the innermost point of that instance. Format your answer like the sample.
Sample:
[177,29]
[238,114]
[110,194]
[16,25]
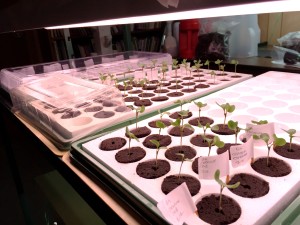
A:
[240,154]
[207,165]
[177,205]
[259,129]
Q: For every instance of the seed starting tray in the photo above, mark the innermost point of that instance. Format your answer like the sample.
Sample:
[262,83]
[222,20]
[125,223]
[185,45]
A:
[191,85]
[69,108]
[273,96]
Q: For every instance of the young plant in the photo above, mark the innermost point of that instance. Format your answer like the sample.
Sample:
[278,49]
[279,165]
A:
[197,66]
[266,138]
[260,122]
[227,108]
[161,125]
[213,141]
[158,146]
[175,65]
[207,126]
[291,133]
[218,62]
[130,136]
[102,77]
[235,63]
[233,125]
[222,186]
[183,159]
[222,68]
[164,69]
[185,64]
[179,123]
[125,87]
[207,62]
[138,110]
[200,105]
[213,75]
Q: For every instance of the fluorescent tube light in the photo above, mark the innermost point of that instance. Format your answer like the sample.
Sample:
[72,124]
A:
[254,8]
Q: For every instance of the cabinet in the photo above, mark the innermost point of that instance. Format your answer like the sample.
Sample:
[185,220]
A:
[138,37]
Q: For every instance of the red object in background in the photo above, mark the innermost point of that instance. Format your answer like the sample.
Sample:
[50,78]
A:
[188,38]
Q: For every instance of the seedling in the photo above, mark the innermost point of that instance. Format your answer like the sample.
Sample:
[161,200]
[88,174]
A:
[213,75]
[183,159]
[164,69]
[207,62]
[227,108]
[213,141]
[207,126]
[179,123]
[181,102]
[125,87]
[111,77]
[233,125]
[222,68]
[266,138]
[130,136]
[141,82]
[138,110]
[185,64]
[235,63]
[161,125]
[197,66]
[130,79]
[200,105]
[158,146]
[102,77]
[218,62]
[222,186]
[291,133]
[260,122]
[175,65]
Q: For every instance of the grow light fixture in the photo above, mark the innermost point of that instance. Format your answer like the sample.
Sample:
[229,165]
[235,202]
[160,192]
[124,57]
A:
[242,9]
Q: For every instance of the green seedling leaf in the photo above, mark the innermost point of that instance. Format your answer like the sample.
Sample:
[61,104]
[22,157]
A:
[218,61]
[232,125]
[200,104]
[266,138]
[131,135]
[183,113]
[155,142]
[160,124]
[227,108]
[291,133]
[278,141]
[234,61]
[141,109]
[260,122]
[176,123]
[188,126]
[223,185]
[218,142]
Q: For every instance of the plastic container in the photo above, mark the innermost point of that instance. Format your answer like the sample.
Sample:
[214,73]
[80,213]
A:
[188,38]
[244,37]
[86,68]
